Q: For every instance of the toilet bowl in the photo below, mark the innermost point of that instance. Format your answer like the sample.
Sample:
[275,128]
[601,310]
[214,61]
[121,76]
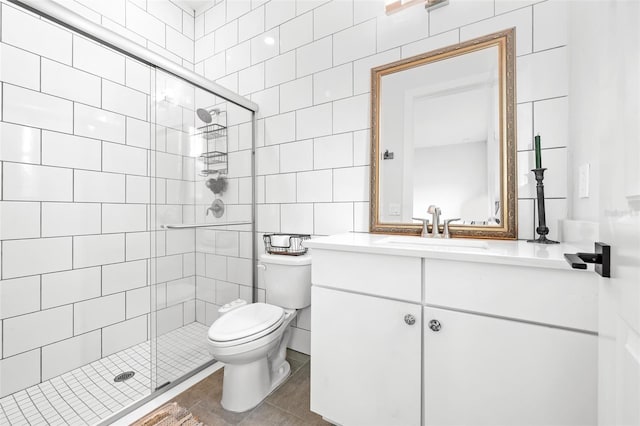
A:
[251,339]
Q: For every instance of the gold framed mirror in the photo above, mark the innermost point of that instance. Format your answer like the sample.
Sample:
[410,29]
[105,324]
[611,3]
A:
[443,133]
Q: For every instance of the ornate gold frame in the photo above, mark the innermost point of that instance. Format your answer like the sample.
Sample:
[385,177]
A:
[505,40]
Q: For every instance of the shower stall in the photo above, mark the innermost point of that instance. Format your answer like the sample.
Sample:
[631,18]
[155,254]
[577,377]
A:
[127,217]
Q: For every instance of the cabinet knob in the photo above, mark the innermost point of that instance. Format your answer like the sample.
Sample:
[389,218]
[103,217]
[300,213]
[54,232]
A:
[435,325]
[409,319]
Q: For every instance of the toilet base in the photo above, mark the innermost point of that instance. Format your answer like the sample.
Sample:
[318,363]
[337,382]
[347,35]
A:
[247,385]
[280,376]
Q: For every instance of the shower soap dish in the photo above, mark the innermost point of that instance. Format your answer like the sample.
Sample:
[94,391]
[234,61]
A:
[289,244]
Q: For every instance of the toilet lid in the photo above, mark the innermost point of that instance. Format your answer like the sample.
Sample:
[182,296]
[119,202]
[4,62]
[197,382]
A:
[246,321]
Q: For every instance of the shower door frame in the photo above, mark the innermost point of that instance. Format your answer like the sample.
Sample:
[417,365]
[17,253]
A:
[59,14]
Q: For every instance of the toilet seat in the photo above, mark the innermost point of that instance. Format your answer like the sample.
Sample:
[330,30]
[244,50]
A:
[245,324]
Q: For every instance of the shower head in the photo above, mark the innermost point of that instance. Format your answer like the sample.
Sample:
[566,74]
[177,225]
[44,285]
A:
[207,115]
[204,115]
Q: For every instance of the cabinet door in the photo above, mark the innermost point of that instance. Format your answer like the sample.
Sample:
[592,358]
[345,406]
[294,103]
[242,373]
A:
[487,371]
[365,359]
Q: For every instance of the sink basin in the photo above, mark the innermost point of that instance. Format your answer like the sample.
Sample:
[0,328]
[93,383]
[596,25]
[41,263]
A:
[436,242]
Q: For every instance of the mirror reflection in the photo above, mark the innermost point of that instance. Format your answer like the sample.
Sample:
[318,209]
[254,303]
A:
[441,122]
[444,135]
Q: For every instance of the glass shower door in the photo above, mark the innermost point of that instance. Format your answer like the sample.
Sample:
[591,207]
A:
[202,242]
[74,293]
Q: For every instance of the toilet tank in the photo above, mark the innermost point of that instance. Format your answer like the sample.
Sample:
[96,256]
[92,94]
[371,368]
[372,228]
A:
[287,280]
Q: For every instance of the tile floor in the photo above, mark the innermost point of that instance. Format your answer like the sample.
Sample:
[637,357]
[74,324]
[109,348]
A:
[88,394]
[288,405]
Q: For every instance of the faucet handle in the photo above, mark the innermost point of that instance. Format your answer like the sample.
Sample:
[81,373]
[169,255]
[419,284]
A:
[425,225]
[446,233]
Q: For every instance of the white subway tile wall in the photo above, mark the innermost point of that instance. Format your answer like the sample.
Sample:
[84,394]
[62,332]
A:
[317,57]
[19,143]
[21,30]
[19,67]
[77,200]
[306,62]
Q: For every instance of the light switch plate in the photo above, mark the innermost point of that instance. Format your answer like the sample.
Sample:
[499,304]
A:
[583,180]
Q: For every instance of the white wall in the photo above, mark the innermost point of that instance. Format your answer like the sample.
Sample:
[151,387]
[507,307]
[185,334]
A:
[312,85]
[84,129]
[582,19]
[307,64]
[463,195]
[162,26]
[76,154]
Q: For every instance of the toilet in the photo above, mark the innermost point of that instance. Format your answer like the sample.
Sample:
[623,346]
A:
[251,339]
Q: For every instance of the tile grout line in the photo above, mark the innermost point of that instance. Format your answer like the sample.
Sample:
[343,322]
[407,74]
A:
[34,404]
[73,390]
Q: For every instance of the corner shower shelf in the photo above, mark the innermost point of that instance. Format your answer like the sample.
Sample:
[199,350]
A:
[214,159]
[213,131]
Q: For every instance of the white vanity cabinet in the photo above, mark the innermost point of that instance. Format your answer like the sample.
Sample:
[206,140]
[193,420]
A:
[513,344]
[367,349]
[508,345]
[366,359]
[480,370]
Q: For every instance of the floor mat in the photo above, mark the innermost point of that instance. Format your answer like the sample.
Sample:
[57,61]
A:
[170,414]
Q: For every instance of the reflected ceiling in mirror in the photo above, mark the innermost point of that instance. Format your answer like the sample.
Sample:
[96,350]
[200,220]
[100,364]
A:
[444,134]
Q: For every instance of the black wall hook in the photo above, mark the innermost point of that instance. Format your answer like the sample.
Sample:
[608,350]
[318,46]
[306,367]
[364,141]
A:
[601,259]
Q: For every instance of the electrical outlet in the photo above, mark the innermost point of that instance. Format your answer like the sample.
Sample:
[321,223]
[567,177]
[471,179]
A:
[394,209]
[583,181]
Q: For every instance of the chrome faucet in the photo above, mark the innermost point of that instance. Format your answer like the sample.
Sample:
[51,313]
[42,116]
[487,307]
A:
[435,215]
[425,226]
[446,233]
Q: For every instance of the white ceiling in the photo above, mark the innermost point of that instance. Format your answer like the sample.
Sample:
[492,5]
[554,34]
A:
[195,4]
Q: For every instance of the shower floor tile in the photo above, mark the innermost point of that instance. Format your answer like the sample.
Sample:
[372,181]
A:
[88,394]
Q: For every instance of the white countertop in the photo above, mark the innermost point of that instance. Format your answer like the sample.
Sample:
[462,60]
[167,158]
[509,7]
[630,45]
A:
[514,252]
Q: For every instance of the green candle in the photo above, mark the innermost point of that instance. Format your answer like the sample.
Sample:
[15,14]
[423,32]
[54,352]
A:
[538,152]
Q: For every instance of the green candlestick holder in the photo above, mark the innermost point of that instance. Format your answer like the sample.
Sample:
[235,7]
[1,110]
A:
[542,230]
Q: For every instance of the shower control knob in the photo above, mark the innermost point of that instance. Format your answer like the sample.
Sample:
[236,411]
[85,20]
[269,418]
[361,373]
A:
[435,325]
[409,319]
